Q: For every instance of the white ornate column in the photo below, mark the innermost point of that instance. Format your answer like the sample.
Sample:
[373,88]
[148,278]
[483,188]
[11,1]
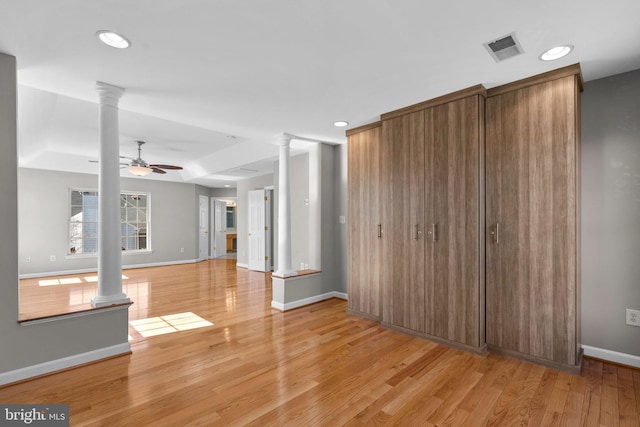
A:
[109,233]
[284,209]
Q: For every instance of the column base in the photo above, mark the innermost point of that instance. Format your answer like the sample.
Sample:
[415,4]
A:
[105,301]
[285,273]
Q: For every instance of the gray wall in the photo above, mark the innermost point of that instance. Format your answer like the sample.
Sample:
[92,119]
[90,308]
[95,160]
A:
[24,346]
[223,192]
[340,203]
[299,176]
[242,206]
[331,243]
[611,211]
[300,205]
[328,219]
[43,224]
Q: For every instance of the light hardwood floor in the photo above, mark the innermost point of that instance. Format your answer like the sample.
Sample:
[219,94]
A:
[311,366]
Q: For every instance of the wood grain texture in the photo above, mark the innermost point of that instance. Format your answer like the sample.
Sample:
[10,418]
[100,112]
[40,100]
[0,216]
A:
[573,71]
[434,102]
[404,256]
[313,366]
[453,219]
[435,262]
[532,176]
[365,218]
[362,128]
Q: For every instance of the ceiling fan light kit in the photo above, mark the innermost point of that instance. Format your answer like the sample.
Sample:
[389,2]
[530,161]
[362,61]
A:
[139,170]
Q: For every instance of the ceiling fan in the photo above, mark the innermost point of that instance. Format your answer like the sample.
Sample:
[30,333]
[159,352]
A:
[141,168]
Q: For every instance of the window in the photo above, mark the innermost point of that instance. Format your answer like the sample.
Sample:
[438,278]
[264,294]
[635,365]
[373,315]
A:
[83,222]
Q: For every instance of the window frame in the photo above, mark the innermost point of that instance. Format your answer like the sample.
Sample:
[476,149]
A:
[148,249]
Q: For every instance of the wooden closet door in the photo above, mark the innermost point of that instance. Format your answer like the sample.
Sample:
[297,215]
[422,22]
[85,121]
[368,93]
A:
[531,196]
[404,297]
[365,221]
[453,221]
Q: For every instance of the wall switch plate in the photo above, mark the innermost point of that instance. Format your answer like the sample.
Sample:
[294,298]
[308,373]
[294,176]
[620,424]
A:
[342,219]
[52,258]
[181,250]
[633,317]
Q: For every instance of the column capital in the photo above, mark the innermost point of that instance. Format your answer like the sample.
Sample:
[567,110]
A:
[109,94]
[284,139]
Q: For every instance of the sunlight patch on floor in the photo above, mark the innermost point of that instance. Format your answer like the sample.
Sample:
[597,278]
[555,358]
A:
[71,280]
[168,324]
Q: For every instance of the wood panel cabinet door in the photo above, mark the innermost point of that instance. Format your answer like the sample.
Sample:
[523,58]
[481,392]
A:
[532,213]
[454,284]
[403,189]
[365,222]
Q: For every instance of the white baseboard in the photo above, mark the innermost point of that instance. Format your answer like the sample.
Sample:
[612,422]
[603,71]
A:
[93,270]
[341,295]
[64,363]
[162,264]
[612,356]
[242,265]
[306,301]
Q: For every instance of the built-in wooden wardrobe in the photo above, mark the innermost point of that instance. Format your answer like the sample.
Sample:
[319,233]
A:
[365,177]
[533,212]
[427,257]
[428,231]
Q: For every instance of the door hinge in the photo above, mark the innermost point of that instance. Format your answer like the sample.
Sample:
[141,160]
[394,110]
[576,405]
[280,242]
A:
[266,198]
[266,228]
[266,258]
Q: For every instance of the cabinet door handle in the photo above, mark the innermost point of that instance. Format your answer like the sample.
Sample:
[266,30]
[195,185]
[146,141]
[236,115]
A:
[433,232]
[379,231]
[495,234]
[418,232]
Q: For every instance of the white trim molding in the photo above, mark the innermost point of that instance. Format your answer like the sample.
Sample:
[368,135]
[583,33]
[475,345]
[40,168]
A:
[612,356]
[242,265]
[306,301]
[93,270]
[64,363]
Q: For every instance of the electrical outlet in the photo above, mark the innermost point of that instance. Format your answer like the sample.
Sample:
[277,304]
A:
[302,266]
[52,258]
[633,317]
[181,250]
[28,259]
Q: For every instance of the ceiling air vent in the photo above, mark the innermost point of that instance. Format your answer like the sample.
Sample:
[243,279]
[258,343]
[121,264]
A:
[504,47]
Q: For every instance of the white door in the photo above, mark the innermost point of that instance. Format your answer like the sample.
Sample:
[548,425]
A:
[269,229]
[204,228]
[257,229]
[219,228]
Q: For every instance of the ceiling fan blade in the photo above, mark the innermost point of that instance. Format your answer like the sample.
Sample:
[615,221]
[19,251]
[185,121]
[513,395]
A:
[170,167]
[156,170]
[121,164]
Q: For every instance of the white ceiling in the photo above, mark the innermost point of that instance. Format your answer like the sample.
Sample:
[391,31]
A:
[209,83]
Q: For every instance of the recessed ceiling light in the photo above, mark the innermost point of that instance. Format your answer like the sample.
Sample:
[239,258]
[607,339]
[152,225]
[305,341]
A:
[113,39]
[556,53]
[227,185]
[341,123]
